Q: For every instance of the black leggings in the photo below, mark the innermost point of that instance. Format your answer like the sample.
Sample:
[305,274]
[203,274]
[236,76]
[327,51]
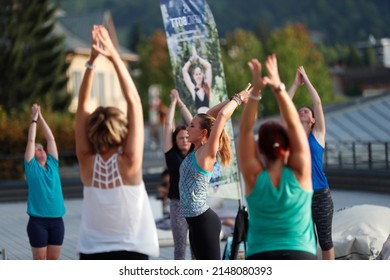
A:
[322,208]
[114,255]
[204,232]
[282,255]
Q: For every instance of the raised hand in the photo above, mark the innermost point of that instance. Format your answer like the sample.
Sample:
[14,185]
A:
[174,95]
[244,94]
[106,47]
[35,111]
[303,74]
[257,80]
[273,78]
[95,41]
[299,77]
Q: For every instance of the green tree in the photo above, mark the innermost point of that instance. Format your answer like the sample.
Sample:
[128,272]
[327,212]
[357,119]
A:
[354,58]
[237,49]
[155,67]
[370,58]
[32,59]
[293,47]
[135,37]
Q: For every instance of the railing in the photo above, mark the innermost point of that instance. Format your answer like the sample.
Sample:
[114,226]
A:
[12,168]
[338,155]
[357,155]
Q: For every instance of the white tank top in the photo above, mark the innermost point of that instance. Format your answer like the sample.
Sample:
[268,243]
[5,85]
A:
[116,217]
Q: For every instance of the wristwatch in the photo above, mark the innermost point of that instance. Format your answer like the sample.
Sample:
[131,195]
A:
[89,65]
[280,88]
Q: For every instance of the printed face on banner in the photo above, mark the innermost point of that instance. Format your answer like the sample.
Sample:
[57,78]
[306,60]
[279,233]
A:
[194,50]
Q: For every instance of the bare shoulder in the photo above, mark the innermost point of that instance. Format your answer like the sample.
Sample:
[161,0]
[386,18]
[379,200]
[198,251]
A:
[86,166]
[130,171]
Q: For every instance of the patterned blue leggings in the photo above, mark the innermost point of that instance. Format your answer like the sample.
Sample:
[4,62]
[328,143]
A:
[179,230]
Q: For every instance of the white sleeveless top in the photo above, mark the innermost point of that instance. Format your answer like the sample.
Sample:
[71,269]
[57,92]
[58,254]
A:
[116,217]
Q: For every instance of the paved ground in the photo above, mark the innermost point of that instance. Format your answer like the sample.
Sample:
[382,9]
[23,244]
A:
[13,221]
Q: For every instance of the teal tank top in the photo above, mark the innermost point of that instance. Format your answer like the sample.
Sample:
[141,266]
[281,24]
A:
[280,219]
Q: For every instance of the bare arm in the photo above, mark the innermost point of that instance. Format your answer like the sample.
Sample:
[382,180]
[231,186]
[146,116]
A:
[293,89]
[168,125]
[134,143]
[250,165]
[296,84]
[243,96]
[187,78]
[51,142]
[83,147]
[184,110]
[208,70]
[209,153]
[299,159]
[32,132]
[319,129]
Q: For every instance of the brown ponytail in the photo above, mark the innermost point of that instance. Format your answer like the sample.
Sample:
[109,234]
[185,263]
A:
[225,151]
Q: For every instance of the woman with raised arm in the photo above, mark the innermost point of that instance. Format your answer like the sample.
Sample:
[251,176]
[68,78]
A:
[176,148]
[117,221]
[278,183]
[210,139]
[201,90]
[45,202]
[313,121]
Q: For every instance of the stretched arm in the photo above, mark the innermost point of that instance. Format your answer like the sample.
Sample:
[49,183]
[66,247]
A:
[250,165]
[134,143]
[208,70]
[212,145]
[32,132]
[83,146]
[187,78]
[296,84]
[168,125]
[293,89]
[299,159]
[319,128]
[184,110]
[243,96]
[51,142]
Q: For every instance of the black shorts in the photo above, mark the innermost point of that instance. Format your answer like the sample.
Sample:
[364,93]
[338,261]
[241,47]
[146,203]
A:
[45,231]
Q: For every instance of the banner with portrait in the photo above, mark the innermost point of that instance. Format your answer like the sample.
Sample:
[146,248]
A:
[194,49]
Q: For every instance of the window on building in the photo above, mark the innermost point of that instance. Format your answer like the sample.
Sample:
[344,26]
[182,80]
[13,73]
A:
[76,79]
[98,89]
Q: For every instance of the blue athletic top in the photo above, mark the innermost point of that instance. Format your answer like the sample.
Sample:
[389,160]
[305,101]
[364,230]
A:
[317,171]
[280,218]
[45,199]
[193,185]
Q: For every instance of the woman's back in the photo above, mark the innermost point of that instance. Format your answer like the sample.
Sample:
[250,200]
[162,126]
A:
[280,217]
[116,216]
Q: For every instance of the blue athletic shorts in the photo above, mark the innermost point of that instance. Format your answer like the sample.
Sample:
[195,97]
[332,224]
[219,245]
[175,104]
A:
[45,231]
